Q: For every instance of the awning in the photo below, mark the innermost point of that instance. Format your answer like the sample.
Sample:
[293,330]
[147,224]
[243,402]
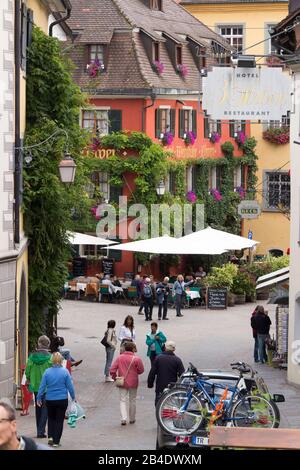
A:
[84,239]
[219,239]
[274,281]
[269,276]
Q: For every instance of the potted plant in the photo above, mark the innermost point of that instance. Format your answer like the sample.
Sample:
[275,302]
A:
[240,138]
[158,67]
[239,288]
[189,138]
[182,70]
[167,138]
[214,137]
[191,196]
[277,135]
[94,68]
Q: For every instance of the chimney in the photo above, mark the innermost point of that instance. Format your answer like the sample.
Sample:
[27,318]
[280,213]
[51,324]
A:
[294,5]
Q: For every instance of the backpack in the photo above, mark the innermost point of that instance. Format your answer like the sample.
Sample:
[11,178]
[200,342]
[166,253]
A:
[147,291]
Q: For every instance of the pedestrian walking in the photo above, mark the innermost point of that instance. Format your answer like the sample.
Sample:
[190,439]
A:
[179,292]
[56,383]
[127,332]
[111,340]
[129,366]
[147,297]
[254,333]
[261,323]
[155,341]
[162,292]
[166,368]
[138,283]
[36,365]
[9,439]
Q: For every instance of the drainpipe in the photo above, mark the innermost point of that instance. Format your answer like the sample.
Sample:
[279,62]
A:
[61,20]
[153,98]
[17,152]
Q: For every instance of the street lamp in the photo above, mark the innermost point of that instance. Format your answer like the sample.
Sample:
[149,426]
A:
[160,188]
[67,169]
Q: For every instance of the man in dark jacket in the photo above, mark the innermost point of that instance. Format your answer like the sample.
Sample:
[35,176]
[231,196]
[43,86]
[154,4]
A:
[162,292]
[261,323]
[166,368]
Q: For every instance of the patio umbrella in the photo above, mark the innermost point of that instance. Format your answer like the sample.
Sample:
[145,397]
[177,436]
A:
[84,239]
[219,239]
[169,245]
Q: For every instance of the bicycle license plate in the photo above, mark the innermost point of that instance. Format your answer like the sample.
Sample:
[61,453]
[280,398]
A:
[200,441]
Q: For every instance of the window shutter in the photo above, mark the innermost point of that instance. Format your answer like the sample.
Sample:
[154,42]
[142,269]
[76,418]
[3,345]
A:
[194,122]
[231,129]
[243,126]
[29,26]
[86,56]
[206,127]
[219,127]
[157,123]
[23,36]
[172,121]
[114,120]
[105,56]
[181,124]
[114,193]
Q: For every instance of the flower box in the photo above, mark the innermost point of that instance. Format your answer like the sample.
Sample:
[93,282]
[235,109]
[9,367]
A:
[158,67]
[94,68]
[167,138]
[277,135]
[214,137]
[182,70]
[189,138]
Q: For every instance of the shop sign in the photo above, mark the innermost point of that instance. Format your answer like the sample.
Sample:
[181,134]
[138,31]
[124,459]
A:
[249,209]
[247,93]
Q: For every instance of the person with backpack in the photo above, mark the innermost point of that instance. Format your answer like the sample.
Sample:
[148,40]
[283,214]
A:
[179,292]
[36,365]
[155,341]
[147,297]
[162,293]
[127,367]
[261,323]
[110,347]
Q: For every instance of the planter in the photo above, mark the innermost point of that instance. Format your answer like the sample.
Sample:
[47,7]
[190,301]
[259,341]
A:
[262,295]
[251,298]
[240,299]
[231,299]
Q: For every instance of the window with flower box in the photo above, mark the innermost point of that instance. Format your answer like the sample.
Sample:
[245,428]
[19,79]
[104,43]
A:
[235,127]
[156,52]
[187,122]
[102,121]
[164,121]
[210,126]
[276,190]
[96,51]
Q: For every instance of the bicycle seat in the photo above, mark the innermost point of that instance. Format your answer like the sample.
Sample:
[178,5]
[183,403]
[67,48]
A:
[242,369]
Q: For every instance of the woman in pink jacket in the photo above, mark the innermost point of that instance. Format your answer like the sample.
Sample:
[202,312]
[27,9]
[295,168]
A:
[129,366]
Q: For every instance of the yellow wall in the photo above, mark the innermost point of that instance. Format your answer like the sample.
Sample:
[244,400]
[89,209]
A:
[40,14]
[271,228]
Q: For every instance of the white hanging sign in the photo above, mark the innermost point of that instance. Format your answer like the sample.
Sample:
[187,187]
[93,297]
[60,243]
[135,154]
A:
[247,93]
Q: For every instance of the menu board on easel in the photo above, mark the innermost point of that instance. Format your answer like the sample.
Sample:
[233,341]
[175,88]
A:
[108,266]
[217,298]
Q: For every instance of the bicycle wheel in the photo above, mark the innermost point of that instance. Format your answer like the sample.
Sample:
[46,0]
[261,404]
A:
[170,417]
[254,411]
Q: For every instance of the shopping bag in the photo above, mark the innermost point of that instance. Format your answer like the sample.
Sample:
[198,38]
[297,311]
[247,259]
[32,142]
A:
[75,412]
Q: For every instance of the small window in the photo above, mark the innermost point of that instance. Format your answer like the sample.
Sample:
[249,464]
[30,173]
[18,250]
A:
[178,55]
[96,120]
[96,52]
[156,52]
[100,180]
[235,127]
[89,250]
[234,35]
[210,126]
[277,190]
[155,5]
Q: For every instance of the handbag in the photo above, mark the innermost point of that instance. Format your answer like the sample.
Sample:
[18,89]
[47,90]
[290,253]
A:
[120,381]
[104,340]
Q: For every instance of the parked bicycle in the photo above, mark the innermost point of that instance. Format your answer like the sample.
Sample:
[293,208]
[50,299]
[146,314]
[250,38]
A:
[186,407]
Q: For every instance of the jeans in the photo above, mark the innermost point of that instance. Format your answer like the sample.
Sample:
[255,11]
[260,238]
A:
[56,415]
[109,358]
[148,303]
[152,357]
[262,348]
[66,354]
[157,397]
[256,349]
[163,307]
[41,417]
[129,393]
[178,300]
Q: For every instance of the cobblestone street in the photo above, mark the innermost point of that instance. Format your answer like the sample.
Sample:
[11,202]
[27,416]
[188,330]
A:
[210,339]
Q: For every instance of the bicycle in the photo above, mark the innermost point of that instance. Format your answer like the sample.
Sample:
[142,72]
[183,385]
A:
[184,409]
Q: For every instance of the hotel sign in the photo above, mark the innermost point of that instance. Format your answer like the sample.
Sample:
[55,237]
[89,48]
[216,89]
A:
[247,93]
[249,210]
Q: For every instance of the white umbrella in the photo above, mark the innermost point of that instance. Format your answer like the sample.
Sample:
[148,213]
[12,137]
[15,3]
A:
[84,239]
[219,239]
[169,245]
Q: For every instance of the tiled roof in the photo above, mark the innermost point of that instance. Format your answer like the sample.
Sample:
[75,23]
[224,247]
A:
[121,23]
[196,2]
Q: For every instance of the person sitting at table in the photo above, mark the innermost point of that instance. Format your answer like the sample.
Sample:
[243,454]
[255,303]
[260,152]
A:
[107,282]
[200,272]
[116,282]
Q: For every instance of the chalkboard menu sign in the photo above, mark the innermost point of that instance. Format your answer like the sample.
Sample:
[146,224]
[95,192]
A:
[108,266]
[79,267]
[217,298]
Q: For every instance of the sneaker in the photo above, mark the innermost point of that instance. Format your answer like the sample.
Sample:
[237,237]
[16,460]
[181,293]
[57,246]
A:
[123,423]
[132,422]
[77,363]
[50,441]
[41,436]
[56,445]
[179,315]
[109,379]
[165,318]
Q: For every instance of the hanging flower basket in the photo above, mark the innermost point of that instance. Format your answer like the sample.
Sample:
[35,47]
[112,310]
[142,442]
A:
[277,135]
[190,138]
[191,196]
[241,191]
[94,68]
[182,70]
[167,138]
[158,67]
[215,137]
[216,194]
[240,138]
[95,144]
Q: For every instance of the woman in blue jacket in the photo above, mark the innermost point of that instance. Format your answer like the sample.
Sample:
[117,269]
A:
[56,383]
[155,342]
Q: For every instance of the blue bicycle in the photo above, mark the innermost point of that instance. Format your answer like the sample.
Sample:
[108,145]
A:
[184,409]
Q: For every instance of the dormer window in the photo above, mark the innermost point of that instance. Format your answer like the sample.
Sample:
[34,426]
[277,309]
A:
[96,51]
[155,52]
[178,55]
[155,5]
